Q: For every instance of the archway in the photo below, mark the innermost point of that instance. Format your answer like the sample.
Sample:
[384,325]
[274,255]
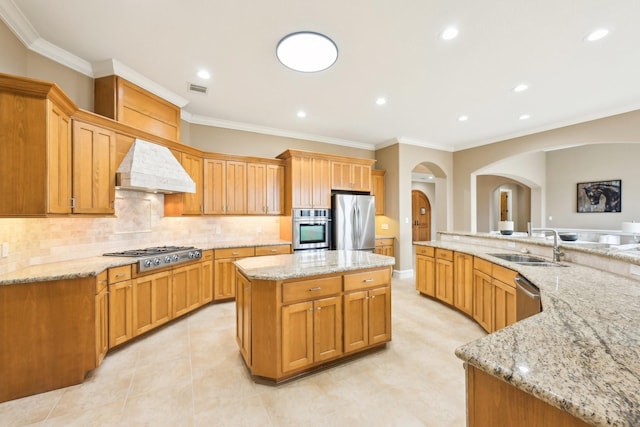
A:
[420,216]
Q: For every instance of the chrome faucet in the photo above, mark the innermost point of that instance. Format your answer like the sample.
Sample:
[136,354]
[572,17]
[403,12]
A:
[557,253]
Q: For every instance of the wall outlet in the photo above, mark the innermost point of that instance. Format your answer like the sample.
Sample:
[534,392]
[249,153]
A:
[5,249]
[406,220]
[385,226]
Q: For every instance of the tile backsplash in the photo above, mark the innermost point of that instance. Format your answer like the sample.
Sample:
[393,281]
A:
[139,222]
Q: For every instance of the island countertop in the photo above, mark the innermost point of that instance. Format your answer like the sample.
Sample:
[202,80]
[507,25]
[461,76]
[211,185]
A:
[581,354]
[310,263]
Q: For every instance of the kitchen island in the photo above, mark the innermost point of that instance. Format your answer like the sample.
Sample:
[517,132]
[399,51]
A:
[300,312]
[577,360]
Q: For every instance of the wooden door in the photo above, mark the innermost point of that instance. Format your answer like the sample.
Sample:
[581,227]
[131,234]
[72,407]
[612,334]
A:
[215,185]
[483,300]
[94,157]
[504,206]
[297,336]
[463,282]
[274,190]
[379,315]
[327,328]
[421,216]
[356,324]
[120,313]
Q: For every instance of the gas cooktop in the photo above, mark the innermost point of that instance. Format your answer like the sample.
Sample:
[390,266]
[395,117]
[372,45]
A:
[160,256]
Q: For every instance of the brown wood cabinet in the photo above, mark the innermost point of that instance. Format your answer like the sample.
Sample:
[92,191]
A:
[494,296]
[125,102]
[187,203]
[207,276]
[377,189]
[243,317]
[151,301]
[120,305]
[102,317]
[225,183]
[444,275]
[265,189]
[426,270]
[350,176]
[482,294]
[384,246]
[225,271]
[35,153]
[94,169]
[463,282]
[187,289]
[493,402]
[307,180]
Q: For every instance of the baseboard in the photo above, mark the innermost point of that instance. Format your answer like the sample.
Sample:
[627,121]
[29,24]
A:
[402,274]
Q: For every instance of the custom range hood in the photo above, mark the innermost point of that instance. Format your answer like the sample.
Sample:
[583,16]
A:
[152,168]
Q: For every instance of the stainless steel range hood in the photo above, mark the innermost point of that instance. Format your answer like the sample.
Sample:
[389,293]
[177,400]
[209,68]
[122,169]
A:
[152,168]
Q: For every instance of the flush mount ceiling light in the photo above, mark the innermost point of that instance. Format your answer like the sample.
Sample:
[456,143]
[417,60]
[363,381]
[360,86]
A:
[597,35]
[525,117]
[463,118]
[521,88]
[307,52]
[204,74]
[301,114]
[449,33]
[381,101]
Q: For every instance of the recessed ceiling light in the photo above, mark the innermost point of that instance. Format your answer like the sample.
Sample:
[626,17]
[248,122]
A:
[307,52]
[463,118]
[301,114]
[524,117]
[597,35]
[381,101]
[449,33]
[204,74]
[521,88]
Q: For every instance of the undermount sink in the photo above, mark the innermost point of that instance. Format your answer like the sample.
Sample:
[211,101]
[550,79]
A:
[527,260]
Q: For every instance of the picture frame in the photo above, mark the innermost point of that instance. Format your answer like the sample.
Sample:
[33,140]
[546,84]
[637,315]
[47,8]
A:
[599,196]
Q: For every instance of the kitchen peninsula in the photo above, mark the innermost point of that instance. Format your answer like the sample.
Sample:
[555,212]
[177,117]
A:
[296,313]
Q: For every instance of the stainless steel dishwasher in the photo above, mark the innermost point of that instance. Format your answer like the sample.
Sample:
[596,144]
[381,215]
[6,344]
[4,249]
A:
[527,298]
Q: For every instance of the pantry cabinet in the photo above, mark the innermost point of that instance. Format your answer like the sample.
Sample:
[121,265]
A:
[94,169]
[35,153]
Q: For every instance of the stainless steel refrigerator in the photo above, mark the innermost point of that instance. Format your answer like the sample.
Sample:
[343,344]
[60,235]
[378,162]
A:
[354,222]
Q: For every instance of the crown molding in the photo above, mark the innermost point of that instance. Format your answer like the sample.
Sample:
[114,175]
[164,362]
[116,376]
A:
[409,141]
[227,124]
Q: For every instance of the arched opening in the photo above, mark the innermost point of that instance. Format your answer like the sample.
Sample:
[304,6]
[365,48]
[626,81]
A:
[502,199]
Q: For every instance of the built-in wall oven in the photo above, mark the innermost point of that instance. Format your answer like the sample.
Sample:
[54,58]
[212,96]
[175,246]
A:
[311,229]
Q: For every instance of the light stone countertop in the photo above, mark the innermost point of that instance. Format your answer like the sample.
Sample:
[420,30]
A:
[581,354]
[92,266]
[311,263]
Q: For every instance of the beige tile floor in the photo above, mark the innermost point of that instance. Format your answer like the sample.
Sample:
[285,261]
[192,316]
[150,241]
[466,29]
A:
[191,374]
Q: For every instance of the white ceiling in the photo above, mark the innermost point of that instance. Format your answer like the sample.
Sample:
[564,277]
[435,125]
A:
[386,48]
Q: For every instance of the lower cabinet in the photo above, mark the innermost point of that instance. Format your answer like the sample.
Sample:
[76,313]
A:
[151,301]
[187,289]
[225,271]
[384,246]
[494,304]
[463,282]
[102,317]
[426,270]
[120,305]
[243,316]
[444,275]
[367,318]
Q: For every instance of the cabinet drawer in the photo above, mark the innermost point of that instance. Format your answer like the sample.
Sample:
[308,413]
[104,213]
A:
[444,254]
[102,280]
[273,250]
[384,242]
[119,274]
[425,250]
[504,275]
[207,255]
[369,279]
[235,252]
[482,265]
[310,289]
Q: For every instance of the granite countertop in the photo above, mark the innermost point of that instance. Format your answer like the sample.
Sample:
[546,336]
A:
[92,266]
[312,263]
[581,354]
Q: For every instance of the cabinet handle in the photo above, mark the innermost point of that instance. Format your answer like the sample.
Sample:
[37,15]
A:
[102,282]
[311,309]
[317,288]
[369,280]
[73,203]
[119,275]
[319,308]
[373,296]
[235,253]
[274,250]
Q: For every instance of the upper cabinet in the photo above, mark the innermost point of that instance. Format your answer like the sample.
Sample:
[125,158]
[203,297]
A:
[35,148]
[351,176]
[187,203]
[225,183]
[377,189]
[265,188]
[121,100]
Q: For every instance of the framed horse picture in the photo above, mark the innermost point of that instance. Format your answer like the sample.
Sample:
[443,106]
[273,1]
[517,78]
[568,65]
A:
[600,196]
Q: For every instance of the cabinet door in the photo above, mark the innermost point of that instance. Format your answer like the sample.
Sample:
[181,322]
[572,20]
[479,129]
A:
[483,300]
[59,161]
[102,325]
[256,188]
[444,280]
[341,176]
[504,305]
[356,324]
[377,189]
[297,336]
[360,177]
[193,201]
[302,182]
[207,278]
[327,328]
[215,192]
[236,173]
[225,279]
[379,315]
[120,313]
[463,282]
[425,275]
[321,186]
[151,301]
[94,157]
[187,288]
[274,190]
[243,317]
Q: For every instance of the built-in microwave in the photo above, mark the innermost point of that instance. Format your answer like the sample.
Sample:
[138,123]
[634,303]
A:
[311,229]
